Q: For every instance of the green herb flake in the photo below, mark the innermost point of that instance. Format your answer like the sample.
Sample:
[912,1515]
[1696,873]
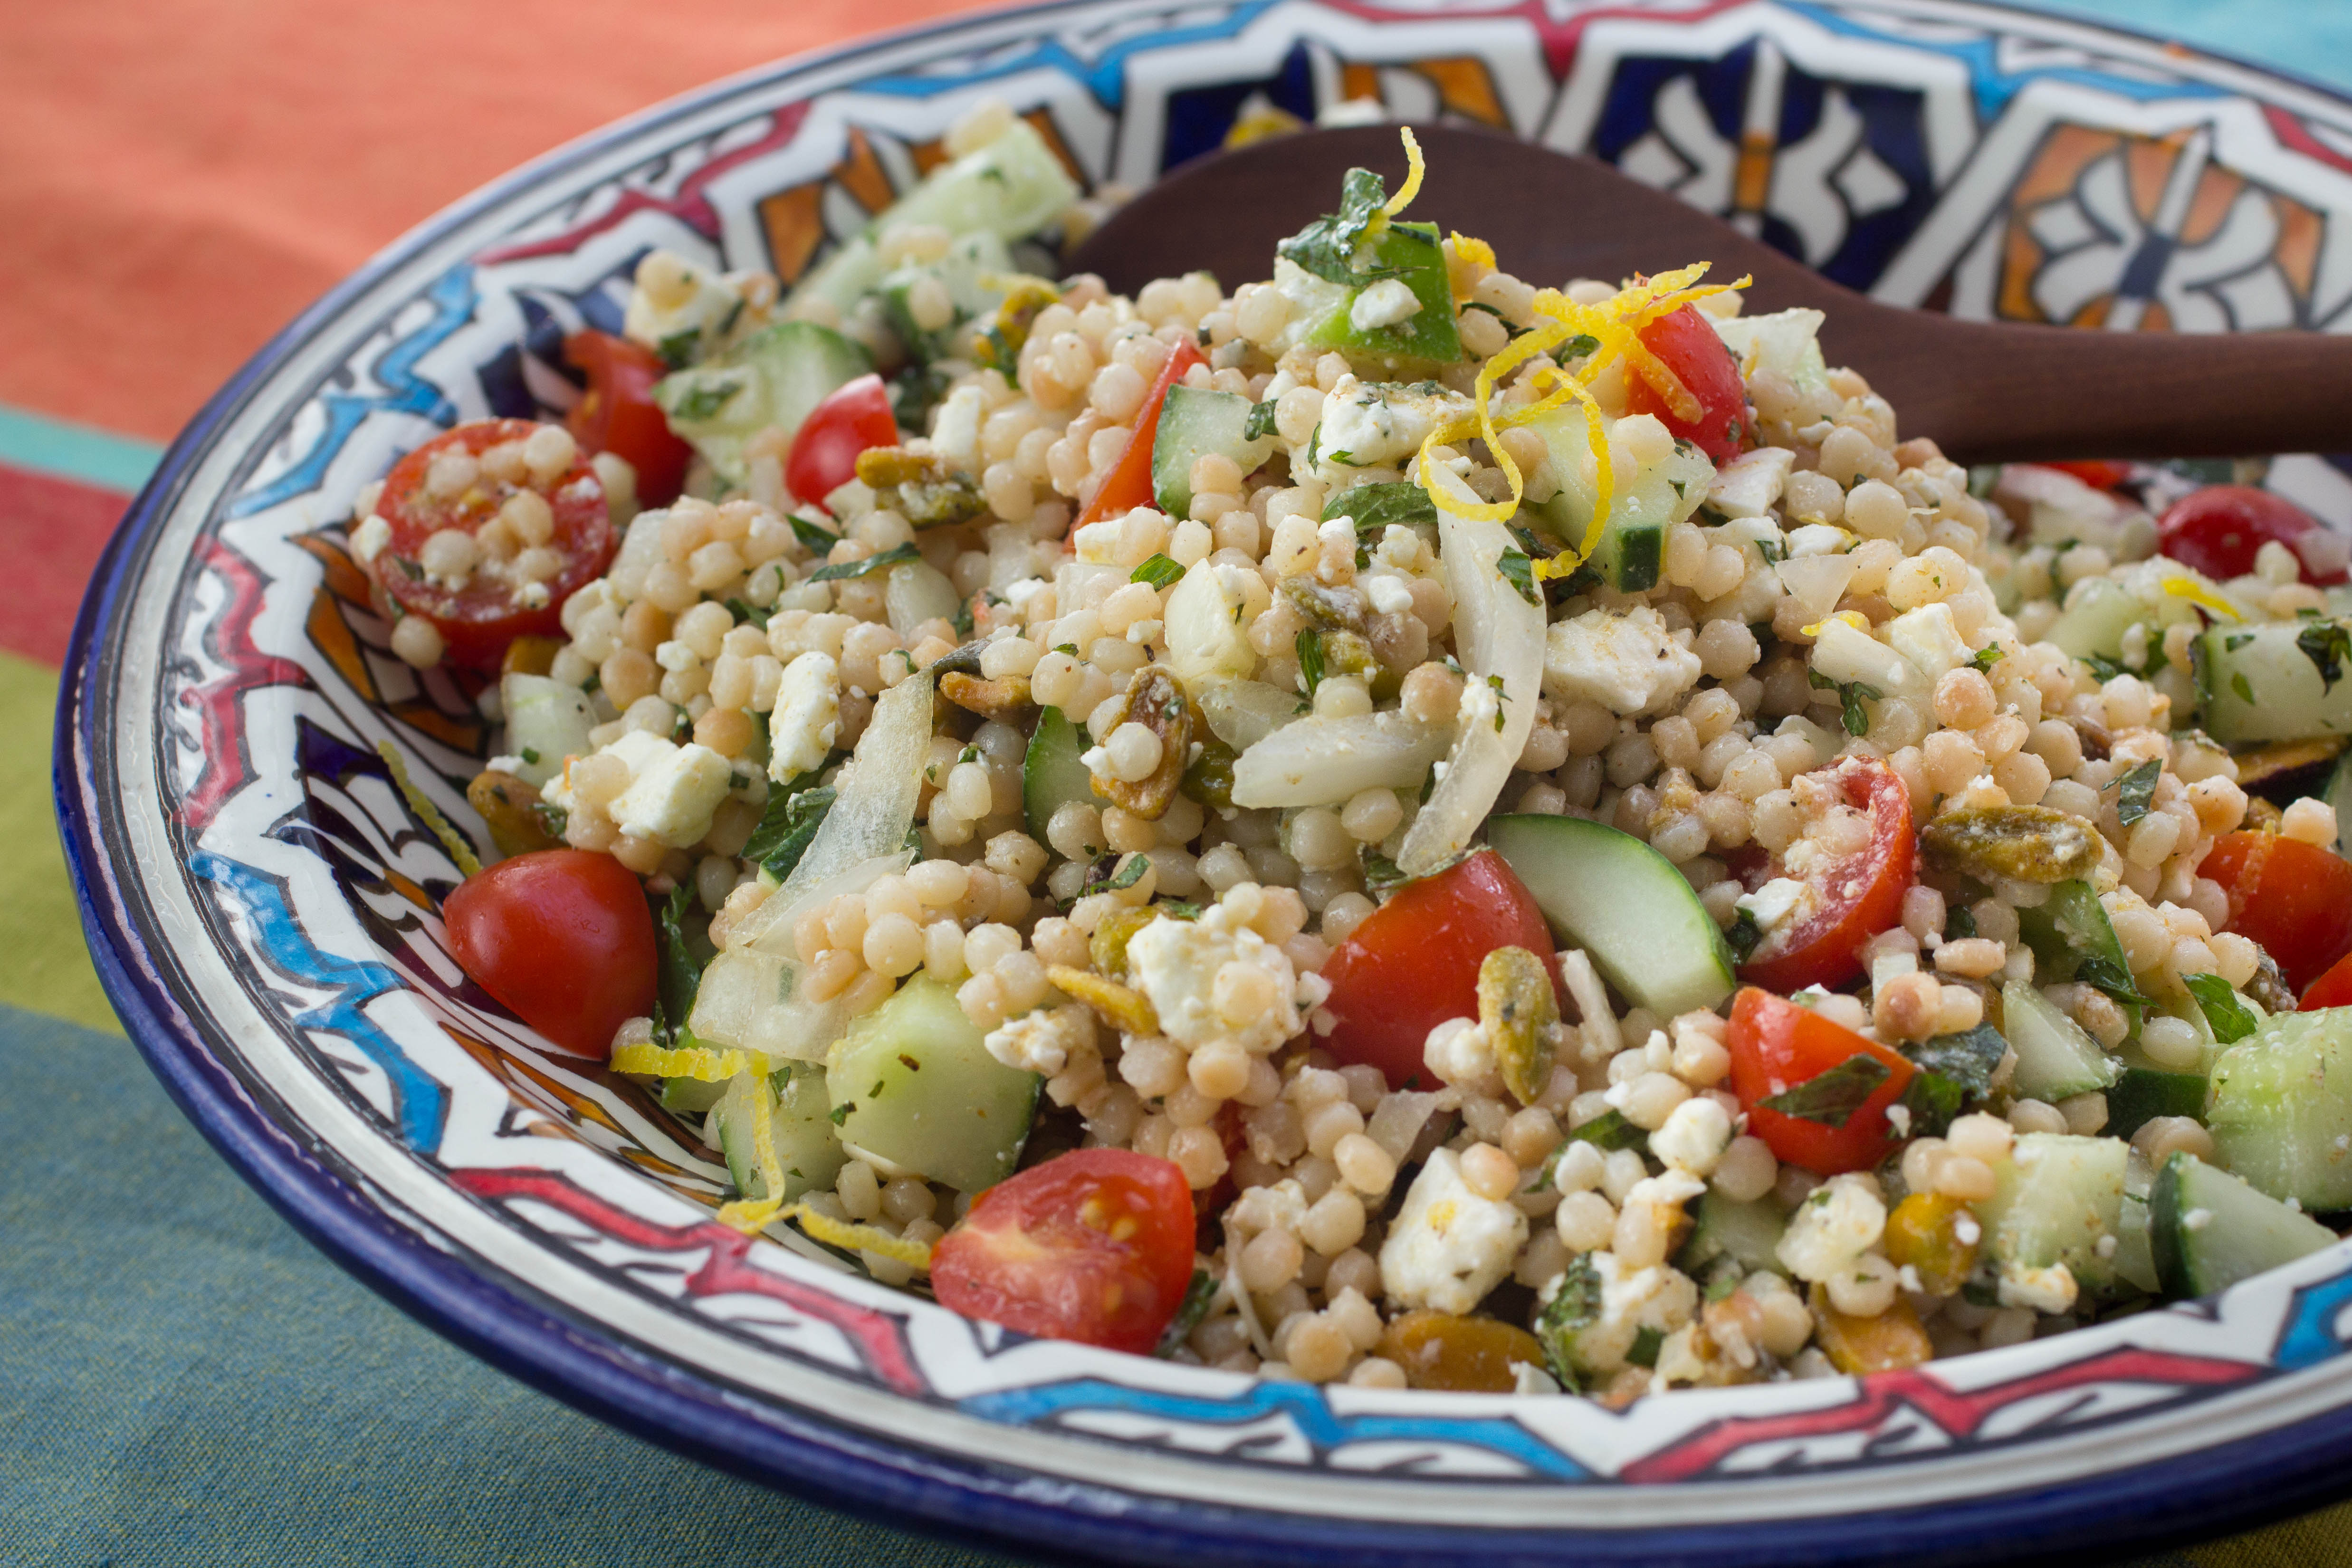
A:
[2135,791]
[1959,922]
[1159,571]
[530,756]
[704,400]
[898,555]
[2102,973]
[1260,422]
[1969,1058]
[677,350]
[2104,668]
[2245,692]
[1327,248]
[2237,640]
[677,973]
[816,541]
[840,1113]
[1128,875]
[1494,683]
[1852,695]
[1932,1099]
[2327,644]
[1607,1133]
[1201,1292]
[747,615]
[1575,1306]
[788,825]
[1832,1098]
[1743,935]
[1374,507]
[1519,572]
[2225,1011]
[1309,645]
[1985,658]
[1381,876]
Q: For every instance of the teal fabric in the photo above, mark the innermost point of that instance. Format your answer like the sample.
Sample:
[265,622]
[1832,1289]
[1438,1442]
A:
[185,1383]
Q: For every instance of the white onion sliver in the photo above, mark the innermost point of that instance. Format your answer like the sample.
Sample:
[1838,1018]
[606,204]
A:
[1495,633]
[1241,713]
[1320,761]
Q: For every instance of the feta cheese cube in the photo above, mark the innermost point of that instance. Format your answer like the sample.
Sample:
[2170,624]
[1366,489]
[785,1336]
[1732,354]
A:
[807,716]
[671,800]
[1694,1138]
[1773,903]
[1929,638]
[1625,660]
[1449,1247]
[1176,963]
[1383,304]
[1748,484]
[1042,1041]
[1657,1297]
[1840,1221]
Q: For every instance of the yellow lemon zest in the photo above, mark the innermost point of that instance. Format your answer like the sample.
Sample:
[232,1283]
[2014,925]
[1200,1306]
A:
[1477,252]
[468,863]
[1413,173]
[2197,593]
[1853,618]
[697,1062]
[751,1215]
[858,1237]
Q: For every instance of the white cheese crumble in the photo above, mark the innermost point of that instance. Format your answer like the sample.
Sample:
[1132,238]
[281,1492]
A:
[2051,1290]
[1695,1136]
[1177,964]
[1656,1297]
[672,792]
[807,716]
[1773,903]
[1818,539]
[1388,593]
[1840,1221]
[1461,1053]
[1748,484]
[1383,304]
[1042,1041]
[369,539]
[1449,1247]
[1625,660]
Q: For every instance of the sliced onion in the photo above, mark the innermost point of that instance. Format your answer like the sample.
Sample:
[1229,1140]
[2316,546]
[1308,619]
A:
[1319,761]
[750,997]
[1497,633]
[1817,583]
[1241,713]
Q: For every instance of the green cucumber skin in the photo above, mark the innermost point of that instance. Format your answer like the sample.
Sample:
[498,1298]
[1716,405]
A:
[2339,795]
[1194,424]
[1430,336]
[1586,877]
[2284,695]
[1632,559]
[921,1090]
[2280,1109]
[2245,1233]
[1051,773]
[2068,927]
[2145,1093]
[690,1096]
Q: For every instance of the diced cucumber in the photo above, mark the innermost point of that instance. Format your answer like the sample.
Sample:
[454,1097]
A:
[2055,1198]
[2280,1108]
[770,381]
[795,1102]
[2268,682]
[913,1083]
[2135,1257]
[1052,776]
[1408,252]
[1011,188]
[2209,1229]
[1786,340]
[547,720]
[2055,1059]
[972,271]
[2073,939]
[1624,904]
[1195,423]
[1747,1232]
[2338,795]
[2100,610]
[692,1096]
[1632,550]
[2145,1091]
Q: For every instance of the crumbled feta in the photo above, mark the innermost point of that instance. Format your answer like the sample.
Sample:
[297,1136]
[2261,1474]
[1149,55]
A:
[369,539]
[1695,1136]
[1773,903]
[1042,1041]
[1748,484]
[1461,1053]
[1097,543]
[1176,963]
[1929,638]
[1366,423]
[1658,1298]
[2051,1290]
[1449,1247]
[955,432]
[1840,1221]
[674,294]
[1481,704]
[1624,659]
[807,716]
[671,800]
[1383,304]
[507,764]
[1388,593]
[674,656]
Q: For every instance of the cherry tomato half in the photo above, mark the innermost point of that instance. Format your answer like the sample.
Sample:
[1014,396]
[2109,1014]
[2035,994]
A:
[2293,898]
[2099,476]
[618,414]
[1128,483]
[562,937]
[853,419]
[1775,1046]
[1414,962]
[2219,529]
[1850,899]
[2333,989]
[1094,1245]
[478,619]
[1714,413]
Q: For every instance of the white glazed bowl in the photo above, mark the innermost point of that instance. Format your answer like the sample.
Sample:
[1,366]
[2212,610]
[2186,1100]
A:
[258,896]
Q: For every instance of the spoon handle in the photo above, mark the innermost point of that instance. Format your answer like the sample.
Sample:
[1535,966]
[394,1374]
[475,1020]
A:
[1987,391]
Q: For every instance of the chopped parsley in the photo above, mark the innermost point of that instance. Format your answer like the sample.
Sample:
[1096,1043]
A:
[1832,1098]
[1327,248]
[898,555]
[1519,572]
[1309,644]
[1260,422]
[1159,571]
[2135,791]
[1852,695]
[2231,1019]
[2326,644]
[1374,507]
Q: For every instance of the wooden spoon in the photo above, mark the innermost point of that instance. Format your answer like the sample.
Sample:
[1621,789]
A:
[1983,391]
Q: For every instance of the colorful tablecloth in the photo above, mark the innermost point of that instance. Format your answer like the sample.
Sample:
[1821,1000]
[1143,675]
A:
[176,181]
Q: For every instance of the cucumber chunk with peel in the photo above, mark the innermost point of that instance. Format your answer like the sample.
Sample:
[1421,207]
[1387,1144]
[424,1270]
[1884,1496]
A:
[1195,423]
[1052,776]
[2280,1108]
[913,1083]
[2282,680]
[2058,1198]
[1624,904]
[2055,1059]
[2209,1229]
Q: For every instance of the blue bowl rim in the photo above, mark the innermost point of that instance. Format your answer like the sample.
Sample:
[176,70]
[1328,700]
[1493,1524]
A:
[2192,1497]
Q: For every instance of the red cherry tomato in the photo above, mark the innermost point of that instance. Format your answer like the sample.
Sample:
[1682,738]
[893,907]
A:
[2097,475]
[2333,989]
[477,620]
[1094,1245]
[2219,529]
[1414,962]
[1715,414]
[1775,1046]
[2293,898]
[617,413]
[825,453]
[1849,900]
[1128,483]
[562,937]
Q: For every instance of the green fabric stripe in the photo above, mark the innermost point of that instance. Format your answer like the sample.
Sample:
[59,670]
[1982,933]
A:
[48,968]
[47,446]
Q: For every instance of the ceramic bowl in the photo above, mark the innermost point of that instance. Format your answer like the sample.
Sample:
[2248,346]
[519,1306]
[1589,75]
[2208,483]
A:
[262,905]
